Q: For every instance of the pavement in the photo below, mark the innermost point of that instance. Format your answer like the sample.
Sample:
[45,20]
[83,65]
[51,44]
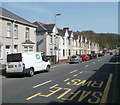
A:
[95,81]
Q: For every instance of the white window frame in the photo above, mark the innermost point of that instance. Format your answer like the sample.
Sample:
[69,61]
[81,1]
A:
[15,31]
[28,48]
[51,39]
[63,41]
[8,29]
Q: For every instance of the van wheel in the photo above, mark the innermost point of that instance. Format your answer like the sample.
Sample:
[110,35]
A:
[31,72]
[47,68]
[8,75]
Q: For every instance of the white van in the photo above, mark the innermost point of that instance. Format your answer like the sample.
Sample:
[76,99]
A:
[27,63]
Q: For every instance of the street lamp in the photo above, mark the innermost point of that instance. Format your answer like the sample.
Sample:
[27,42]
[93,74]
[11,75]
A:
[58,14]
[57,47]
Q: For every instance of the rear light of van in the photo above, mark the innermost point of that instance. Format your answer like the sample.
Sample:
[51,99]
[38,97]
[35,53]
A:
[23,66]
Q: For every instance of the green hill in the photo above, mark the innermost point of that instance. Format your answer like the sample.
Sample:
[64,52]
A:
[105,40]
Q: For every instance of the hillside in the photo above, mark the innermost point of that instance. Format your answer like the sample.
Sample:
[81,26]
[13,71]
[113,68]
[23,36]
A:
[105,40]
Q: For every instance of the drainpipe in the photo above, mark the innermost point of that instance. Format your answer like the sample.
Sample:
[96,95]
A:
[13,36]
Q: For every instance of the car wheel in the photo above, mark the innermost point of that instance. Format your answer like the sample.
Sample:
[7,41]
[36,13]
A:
[31,72]
[47,68]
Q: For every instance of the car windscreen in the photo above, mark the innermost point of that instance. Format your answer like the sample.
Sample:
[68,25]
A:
[14,57]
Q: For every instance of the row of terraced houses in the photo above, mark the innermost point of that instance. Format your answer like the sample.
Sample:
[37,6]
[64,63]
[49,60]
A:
[20,35]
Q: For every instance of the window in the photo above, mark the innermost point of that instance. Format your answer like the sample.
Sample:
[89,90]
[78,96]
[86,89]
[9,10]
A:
[8,29]
[50,51]
[14,57]
[76,44]
[76,52]
[27,34]
[28,48]
[63,41]
[69,51]
[15,48]
[55,39]
[69,41]
[8,48]
[63,52]
[25,49]
[15,31]
[50,38]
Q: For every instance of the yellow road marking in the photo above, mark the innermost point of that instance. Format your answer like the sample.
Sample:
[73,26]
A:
[75,75]
[68,90]
[66,79]
[81,72]
[106,90]
[74,95]
[54,86]
[33,96]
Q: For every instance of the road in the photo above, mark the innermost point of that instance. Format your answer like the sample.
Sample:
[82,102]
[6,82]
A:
[93,81]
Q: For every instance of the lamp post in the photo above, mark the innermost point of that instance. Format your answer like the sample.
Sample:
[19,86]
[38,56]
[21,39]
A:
[58,14]
[57,46]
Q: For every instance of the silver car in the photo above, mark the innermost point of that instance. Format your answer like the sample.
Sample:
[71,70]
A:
[75,59]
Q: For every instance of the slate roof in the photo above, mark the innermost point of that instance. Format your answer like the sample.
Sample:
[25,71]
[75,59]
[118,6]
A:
[75,36]
[9,15]
[44,27]
[62,31]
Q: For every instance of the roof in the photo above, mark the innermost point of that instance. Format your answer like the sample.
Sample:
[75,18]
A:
[9,15]
[76,36]
[28,42]
[62,31]
[49,27]
[44,27]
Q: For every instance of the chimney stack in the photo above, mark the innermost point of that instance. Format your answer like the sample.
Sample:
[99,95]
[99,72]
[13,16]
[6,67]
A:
[66,28]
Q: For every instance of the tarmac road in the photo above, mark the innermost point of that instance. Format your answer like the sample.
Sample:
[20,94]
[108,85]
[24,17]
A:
[91,82]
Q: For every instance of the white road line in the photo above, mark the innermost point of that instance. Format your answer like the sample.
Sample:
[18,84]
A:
[93,62]
[42,84]
[98,60]
[73,71]
[86,65]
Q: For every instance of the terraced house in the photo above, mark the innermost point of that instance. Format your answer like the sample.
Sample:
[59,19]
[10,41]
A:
[62,43]
[16,34]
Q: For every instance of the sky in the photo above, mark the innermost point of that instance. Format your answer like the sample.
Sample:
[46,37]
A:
[101,17]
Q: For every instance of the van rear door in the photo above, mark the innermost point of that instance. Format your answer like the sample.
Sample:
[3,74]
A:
[14,63]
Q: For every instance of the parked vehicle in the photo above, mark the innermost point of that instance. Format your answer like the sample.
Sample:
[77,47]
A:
[100,54]
[91,56]
[111,53]
[94,56]
[26,63]
[85,57]
[75,59]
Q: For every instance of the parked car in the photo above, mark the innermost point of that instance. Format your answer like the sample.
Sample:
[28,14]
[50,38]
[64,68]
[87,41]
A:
[94,56]
[111,53]
[26,63]
[75,59]
[100,54]
[91,56]
[85,57]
